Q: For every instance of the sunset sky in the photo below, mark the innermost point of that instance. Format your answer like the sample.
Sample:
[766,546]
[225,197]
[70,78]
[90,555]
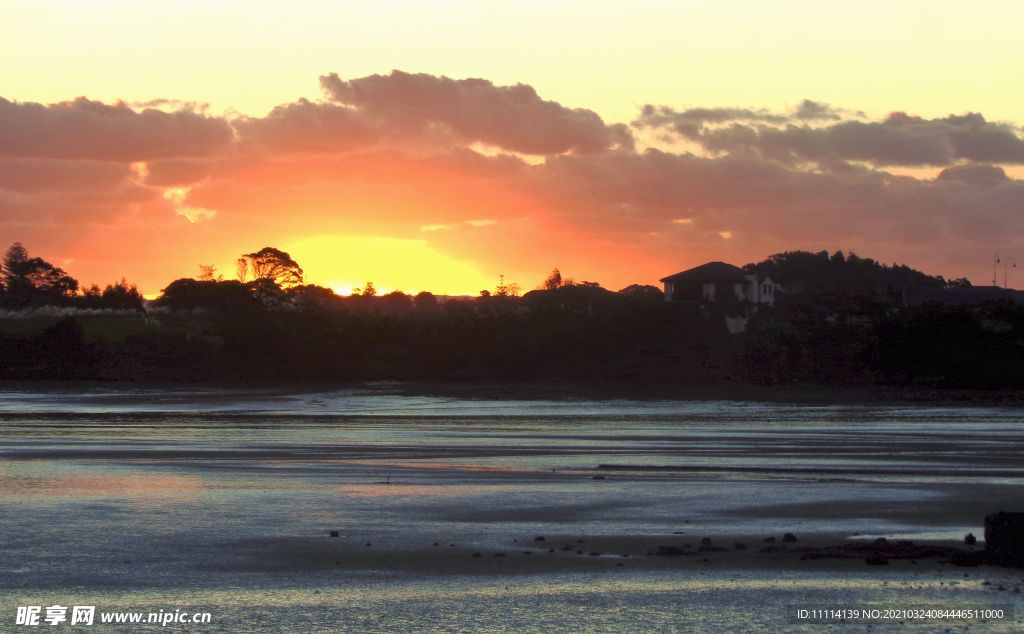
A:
[437,145]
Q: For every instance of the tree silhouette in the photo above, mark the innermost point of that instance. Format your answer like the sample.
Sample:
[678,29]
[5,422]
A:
[270,264]
[554,280]
[504,289]
[28,280]
[425,300]
[208,273]
[367,291]
[120,295]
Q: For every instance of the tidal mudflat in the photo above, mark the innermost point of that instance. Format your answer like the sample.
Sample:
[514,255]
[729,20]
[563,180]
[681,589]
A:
[364,510]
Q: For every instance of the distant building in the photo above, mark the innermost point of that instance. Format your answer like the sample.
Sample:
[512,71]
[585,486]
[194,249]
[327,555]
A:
[727,289]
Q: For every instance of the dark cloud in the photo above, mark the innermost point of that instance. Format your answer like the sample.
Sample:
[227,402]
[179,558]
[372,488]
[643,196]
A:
[816,111]
[475,110]
[899,139]
[305,126]
[691,122]
[39,175]
[90,130]
[975,175]
[765,204]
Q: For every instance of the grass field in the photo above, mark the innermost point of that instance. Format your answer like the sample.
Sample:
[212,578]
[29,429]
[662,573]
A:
[109,327]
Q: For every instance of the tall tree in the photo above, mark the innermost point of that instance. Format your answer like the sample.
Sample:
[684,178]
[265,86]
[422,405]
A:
[270,264]
[28,280]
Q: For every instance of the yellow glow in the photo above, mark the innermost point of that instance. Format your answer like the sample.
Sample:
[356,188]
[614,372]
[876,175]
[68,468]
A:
[344,263]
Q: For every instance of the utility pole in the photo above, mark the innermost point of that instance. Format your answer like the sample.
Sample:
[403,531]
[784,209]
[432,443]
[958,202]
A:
[995,270]
[1006,263]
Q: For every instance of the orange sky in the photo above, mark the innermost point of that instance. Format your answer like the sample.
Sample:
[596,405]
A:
[617,143]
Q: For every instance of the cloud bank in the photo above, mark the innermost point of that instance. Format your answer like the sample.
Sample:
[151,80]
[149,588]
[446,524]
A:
[518,182]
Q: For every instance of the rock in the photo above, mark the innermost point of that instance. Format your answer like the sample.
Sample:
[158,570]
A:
[740,546]
[1004,538]
[436,544]
[881,541]
[595,554]
[970,539]
[335,534]
[768,540]
[369,544]
[599,478]
[705,541]
[539,538]
[789,538]
[477,555]
[564,548]
[876,560]
[499,554]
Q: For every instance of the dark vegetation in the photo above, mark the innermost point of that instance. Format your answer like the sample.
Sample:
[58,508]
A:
[844,321]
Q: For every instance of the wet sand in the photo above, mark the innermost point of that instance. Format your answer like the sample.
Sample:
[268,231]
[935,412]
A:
[226,500]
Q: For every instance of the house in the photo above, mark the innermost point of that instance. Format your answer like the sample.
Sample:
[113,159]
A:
[718,282]
[722,288]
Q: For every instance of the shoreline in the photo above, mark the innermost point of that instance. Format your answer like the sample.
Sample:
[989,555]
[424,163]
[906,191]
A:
[809,395]
[577,553]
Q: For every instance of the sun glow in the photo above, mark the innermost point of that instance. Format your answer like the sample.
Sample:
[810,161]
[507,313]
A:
[345,263]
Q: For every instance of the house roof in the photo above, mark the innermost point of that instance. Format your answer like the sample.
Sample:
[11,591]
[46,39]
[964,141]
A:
[710,272]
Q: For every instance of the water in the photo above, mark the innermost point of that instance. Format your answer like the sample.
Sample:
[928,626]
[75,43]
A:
[223,500]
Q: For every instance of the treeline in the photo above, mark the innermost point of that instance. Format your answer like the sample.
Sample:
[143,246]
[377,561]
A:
[847,323]
[835,339]
[31,282]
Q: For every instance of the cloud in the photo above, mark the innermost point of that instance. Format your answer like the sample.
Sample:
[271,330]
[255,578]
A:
[36,175]
[90,130]
[305,126]
[501,177]
[899,139]
[514,118]
[690,123]
[975,175]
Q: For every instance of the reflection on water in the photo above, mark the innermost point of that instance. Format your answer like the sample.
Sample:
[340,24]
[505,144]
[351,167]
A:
[223,501]
[27,481]
[738,602]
